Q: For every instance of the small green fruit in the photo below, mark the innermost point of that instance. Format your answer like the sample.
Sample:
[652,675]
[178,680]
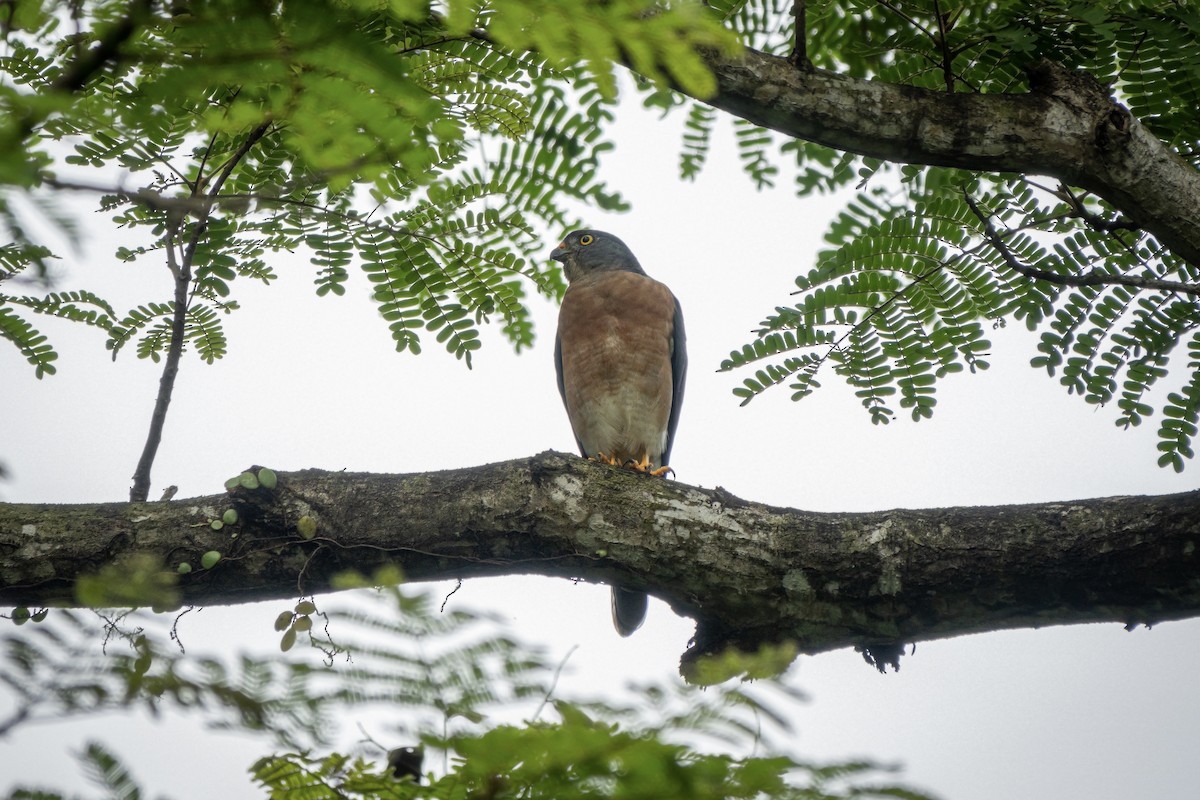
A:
[307,526]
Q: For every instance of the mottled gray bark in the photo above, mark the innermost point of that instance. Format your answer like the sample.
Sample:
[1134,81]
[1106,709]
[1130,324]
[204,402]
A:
[1067,127]
[747,573]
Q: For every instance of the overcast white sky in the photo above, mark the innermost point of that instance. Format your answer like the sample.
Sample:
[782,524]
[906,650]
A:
[1089,711]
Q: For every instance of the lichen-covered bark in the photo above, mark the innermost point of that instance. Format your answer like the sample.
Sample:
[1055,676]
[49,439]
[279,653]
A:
[1067,127]
[748,573]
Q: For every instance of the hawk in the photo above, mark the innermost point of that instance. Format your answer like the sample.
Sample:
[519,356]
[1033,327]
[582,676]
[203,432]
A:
[621,362]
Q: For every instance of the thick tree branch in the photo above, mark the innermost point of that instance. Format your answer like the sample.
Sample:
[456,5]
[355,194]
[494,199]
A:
[1067,127]
[748,573]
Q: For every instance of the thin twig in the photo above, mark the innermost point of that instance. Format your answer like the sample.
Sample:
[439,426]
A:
[911,21]
[1090,279]
[227,168]
[446,599]
[157,201]
[1092,219]
[181,273]
[1132,55]
[553,683]
[182,276]
[799,56]
[943,44]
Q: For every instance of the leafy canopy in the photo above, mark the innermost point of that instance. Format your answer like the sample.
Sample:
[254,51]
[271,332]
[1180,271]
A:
[924,261]
[429,146]
[423,144]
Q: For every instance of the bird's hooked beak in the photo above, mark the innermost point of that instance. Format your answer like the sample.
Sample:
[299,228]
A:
[560,253]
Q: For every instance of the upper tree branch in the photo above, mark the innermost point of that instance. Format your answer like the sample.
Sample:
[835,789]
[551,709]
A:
[1067,127]
[748,573]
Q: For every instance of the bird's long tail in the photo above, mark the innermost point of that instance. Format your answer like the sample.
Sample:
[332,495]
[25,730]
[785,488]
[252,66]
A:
[628,609]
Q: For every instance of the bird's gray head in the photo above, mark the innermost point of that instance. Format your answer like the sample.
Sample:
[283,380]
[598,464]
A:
[585,252]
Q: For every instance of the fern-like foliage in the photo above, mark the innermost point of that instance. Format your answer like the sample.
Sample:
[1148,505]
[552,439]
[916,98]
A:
[30,342]
[430,146]
[61,669]
[925,260]
[78,306]
[108,773]
[425,144]
[468,692]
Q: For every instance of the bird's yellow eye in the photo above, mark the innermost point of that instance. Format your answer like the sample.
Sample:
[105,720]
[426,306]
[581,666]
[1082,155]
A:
[587,238]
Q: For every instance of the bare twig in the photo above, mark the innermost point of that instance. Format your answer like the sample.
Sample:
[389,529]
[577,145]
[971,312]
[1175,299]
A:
[446,599]
[1088,279]
[944,45]
[799,56]
[182,205]
[1091,218]
[553,683]
[182,276]
[910,20]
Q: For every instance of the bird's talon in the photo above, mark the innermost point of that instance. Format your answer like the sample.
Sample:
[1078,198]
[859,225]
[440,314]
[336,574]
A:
[642,465]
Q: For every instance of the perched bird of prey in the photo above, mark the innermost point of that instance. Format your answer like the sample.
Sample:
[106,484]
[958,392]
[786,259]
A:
[621,362]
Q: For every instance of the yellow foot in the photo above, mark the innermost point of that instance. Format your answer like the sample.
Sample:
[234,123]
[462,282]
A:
[644,467]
